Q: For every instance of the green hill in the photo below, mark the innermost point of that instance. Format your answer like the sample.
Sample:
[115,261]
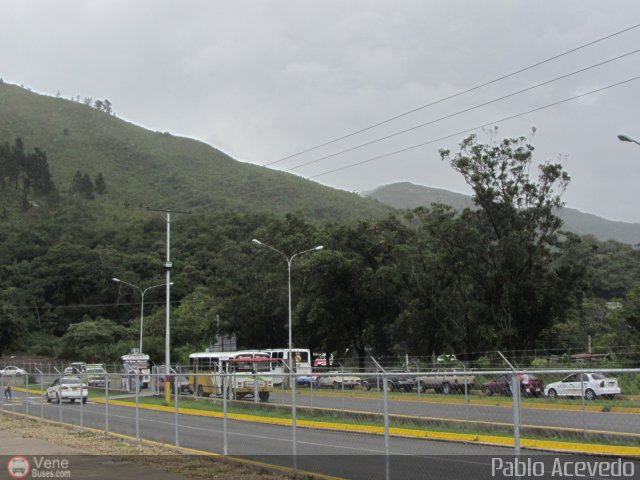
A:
[407,195]
[142,167]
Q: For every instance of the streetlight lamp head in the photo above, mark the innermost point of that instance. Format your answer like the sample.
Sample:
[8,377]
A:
[256,241]
[624,138]
[319,247]
[116,279]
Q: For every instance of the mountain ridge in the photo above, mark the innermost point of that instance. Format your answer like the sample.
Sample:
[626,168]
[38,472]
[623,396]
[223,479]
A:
[405,195]
[143,167]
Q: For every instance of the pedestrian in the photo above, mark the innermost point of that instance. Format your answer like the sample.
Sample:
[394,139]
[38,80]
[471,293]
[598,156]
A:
[132,380]
[8,392]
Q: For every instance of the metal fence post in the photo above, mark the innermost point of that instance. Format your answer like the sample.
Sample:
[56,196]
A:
[41,395]
[584,410]
[515,390]
[293,419]
[135,386]
[386,427]
[255,388]
[106,403]
[81,398]
[26,393]
[225,383]
[176,391]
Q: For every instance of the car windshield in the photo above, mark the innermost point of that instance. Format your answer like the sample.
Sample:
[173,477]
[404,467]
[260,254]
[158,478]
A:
[71,381]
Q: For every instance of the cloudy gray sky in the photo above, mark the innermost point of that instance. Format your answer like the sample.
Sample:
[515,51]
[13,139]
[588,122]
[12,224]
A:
[262,80]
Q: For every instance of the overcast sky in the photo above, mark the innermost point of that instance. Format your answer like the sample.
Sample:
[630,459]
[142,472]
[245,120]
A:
[262,80]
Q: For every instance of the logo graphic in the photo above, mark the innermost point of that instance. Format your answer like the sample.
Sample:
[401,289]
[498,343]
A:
[18,467]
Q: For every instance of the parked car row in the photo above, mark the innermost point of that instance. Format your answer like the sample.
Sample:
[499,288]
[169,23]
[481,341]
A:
[448,381]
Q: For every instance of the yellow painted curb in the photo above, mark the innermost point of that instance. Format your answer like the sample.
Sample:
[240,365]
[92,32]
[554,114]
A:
[406,432]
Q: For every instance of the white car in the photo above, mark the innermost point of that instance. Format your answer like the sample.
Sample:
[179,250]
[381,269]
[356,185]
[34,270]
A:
[11,370]
[337,380]
[67,388]
[592,384]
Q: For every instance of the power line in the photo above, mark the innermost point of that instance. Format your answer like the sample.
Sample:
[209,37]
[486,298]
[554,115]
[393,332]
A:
[490,82]
[504,119]
[459,112]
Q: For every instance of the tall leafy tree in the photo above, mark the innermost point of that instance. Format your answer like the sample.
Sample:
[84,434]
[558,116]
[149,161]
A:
[510,248]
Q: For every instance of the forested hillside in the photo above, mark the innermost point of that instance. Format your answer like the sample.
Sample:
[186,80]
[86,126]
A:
[407,195]
[500,275]
[142,167]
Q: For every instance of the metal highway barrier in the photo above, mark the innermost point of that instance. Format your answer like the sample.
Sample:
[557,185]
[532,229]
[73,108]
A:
[376,418]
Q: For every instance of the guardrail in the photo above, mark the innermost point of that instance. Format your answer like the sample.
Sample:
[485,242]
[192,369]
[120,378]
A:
[554,409]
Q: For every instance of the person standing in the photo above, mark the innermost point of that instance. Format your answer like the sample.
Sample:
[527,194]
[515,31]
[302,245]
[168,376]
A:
[8,392]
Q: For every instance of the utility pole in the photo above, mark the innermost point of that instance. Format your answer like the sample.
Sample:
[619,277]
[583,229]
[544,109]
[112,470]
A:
[167,267]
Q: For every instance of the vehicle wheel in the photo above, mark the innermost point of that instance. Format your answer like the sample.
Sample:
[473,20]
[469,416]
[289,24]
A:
[488,392]
[264,396]
[407,388]
[590,394]
[552,393]
[48,399]
[446,389]
[336,385]
[366,386]
[72,400]
[84,400]
[200,391]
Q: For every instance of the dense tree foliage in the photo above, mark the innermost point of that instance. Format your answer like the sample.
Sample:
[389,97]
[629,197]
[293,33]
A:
[431,280]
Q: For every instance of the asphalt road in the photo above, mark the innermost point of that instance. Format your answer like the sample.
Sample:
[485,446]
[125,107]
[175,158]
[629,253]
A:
[346,455]
[411,405]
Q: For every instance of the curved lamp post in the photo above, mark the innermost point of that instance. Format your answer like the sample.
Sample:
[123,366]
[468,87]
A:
[626,138]
[289,259]
[142,292]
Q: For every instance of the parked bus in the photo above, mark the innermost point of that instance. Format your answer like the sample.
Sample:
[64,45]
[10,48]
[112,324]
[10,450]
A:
[206,369]
[134,365]
[279,369]
[250,376]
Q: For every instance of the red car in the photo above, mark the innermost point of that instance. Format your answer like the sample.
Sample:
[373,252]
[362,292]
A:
[530,385]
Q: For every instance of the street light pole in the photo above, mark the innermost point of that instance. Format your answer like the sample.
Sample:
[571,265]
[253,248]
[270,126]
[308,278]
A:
[627,138]
[167,266]
[289,259]
[142,292]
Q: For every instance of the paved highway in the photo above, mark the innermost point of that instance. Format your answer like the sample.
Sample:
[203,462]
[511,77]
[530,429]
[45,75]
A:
[347,455]
[605,421]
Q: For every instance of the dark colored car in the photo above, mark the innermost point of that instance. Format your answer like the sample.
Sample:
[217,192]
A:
[530,385]
[398,380]
[184,384]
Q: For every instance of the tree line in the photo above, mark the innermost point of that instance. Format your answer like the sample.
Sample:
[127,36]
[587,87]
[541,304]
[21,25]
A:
[27,172]
[430,280]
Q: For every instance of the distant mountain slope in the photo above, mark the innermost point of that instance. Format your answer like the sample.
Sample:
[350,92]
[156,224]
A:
[142,167]
[407,195]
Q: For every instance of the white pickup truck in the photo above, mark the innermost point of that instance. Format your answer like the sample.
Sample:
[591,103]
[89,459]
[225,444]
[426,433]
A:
[446,381]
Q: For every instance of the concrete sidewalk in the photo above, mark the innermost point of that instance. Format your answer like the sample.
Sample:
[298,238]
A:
[81,464]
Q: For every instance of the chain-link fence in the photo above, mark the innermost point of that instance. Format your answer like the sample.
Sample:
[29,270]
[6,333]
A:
[383,412]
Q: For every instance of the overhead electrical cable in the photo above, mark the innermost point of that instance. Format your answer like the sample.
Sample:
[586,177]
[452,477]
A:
[449,97]
[459,112]
[462,132]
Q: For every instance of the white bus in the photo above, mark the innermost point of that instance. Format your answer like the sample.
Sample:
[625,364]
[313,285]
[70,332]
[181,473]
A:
[302,361]
[206,370]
